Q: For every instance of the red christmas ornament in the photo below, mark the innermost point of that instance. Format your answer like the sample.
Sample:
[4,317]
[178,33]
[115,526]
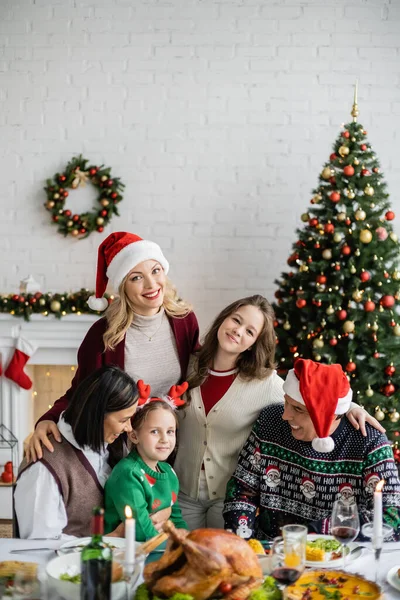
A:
[313,222]
[62,178]
[348,221]
[392,323]
[317,245]
[396,451]
[100,229]
[103,213]
[375,170]
[351,367]
[65,194]
[300,303]
[390,215]
[82,230]
[333,341]
[93,171]
[335,196]
[276,323]
[75,218]
[390,370]
[293,349]
[341,314]
[388,389]
[365,172]
[348,170]
[346,250]
[109,183]
[32,301]
[369,306]
[337,267]
[15,298]
[22,299]
[309,259]
[363,147]
[346,134]
[376,355]
[114,195]
[67,213]
[386,275]
[332,180]
[329,228]
[387,301]
[365,276]
[55,218]
[321,279]
[332,157]
[317,303]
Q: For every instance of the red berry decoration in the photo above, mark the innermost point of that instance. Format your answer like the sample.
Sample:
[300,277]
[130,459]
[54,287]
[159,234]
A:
[300,303]
[390,370]
[329,228]
[341,314]
[333,341]
[321,279]
[77,173]
[348,170]
[369,306]
[365,276]
[363,147]
[313,222]
[332,157]
[103,213]
[390,215]
[346,250]
[351,367]
[388,389]
[348,221]
[335,196]
[387,301]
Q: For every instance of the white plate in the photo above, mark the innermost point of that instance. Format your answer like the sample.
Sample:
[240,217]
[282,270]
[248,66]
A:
[335,561]
[115,542]
[393,578]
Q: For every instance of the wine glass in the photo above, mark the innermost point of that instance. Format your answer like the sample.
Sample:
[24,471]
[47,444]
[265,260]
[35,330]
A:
[288,554]
[345,523]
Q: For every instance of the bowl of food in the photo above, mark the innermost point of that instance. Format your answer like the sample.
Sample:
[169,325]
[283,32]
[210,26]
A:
[64,576]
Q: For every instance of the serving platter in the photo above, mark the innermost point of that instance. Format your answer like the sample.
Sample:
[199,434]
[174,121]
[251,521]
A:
[320,585]
[393,577]
[331,558]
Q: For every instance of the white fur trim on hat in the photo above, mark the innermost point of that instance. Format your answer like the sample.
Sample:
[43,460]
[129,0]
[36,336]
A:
[98,304]
[291,387]
[323,444]
[132,255]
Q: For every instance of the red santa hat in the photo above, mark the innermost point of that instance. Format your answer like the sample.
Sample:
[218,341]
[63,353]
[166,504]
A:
[118,254]
[325,391]
[345,486]
[271,468]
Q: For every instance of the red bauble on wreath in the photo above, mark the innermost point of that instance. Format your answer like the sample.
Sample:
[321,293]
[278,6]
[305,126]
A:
[77,173]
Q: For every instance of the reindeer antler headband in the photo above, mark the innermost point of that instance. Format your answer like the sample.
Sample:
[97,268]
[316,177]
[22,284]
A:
[173,397]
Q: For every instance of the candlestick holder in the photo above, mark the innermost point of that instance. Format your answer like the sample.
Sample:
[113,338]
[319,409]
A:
[132,571]
[368,531]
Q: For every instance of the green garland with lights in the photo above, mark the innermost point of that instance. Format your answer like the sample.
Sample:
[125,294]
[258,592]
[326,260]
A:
[59,305]
[78,173]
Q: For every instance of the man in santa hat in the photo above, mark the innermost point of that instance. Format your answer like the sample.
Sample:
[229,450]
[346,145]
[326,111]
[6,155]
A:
[319,455]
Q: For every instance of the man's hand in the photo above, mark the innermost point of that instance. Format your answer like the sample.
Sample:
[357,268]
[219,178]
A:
[159,518]
[118,531]
[33,443]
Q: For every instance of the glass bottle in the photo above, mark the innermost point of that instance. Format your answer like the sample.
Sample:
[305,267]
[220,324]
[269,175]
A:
[96,562]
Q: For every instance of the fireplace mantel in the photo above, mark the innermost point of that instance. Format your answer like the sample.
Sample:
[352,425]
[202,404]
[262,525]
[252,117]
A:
[57,342]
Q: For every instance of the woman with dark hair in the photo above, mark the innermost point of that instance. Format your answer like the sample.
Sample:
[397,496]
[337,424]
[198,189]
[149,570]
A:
[231,380]
[54,497]
[147,309]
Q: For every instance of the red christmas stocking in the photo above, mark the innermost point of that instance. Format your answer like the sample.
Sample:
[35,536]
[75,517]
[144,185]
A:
[15,370]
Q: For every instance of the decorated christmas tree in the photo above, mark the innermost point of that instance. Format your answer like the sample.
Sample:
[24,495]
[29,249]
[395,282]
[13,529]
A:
[339,302]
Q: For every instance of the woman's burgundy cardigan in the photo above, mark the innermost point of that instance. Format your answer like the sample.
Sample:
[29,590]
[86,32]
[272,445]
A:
[91,355]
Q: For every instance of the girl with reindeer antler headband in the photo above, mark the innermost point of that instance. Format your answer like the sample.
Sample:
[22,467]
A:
[143,480]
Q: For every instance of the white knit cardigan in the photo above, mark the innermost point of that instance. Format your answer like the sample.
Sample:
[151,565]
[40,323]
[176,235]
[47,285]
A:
[216,439]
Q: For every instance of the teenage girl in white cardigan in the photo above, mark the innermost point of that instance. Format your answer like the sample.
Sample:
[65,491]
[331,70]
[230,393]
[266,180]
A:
[231,379]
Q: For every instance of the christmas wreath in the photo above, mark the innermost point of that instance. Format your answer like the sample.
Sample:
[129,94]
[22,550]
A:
[78,173]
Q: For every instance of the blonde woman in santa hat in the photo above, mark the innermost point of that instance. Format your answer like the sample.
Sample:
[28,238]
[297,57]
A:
[147,330]
[315,455]
[232,378]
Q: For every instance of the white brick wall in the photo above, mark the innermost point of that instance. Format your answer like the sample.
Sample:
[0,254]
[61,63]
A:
[217,115]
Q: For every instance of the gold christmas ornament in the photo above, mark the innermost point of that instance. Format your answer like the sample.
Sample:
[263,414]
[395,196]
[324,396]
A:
[369,392]
[330,310]
[318,343]
[365,236]
[395,416]
[374,326]
[70,223]
[369,190]
[343,151]
[327,254]
[104,178]
[317,198]
[317,357]
[104,202]
[303,268]
[74,232]
[353,269]
[42,301]
[357,295]
[327,173]
[56,196]
[379,414]
[356,161]
[357,252]
[55,305]
[99,220]
[286,326]
[393,236]
[396,275]
[337,237]
[350,194]
[341,216]
[360,214]
[304,217]
[50,204]
[396,330]
[348,326]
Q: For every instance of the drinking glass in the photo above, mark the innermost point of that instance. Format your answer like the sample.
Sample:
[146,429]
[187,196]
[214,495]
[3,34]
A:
[345,524]
[132,573]
[30,584]
[288,554]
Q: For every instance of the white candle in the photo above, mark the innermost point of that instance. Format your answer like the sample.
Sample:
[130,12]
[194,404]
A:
[377,537]
[129,536]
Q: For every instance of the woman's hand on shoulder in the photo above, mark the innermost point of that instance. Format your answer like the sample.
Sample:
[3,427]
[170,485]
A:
[119,531]
[33,443]
[358,417]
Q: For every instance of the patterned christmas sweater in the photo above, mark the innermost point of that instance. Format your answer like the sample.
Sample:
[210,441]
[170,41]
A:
[281,480]
[133,483]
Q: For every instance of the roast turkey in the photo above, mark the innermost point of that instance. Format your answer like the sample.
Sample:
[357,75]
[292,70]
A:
[201,563]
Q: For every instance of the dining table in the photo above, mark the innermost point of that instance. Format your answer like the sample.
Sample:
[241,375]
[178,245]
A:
[363,564]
